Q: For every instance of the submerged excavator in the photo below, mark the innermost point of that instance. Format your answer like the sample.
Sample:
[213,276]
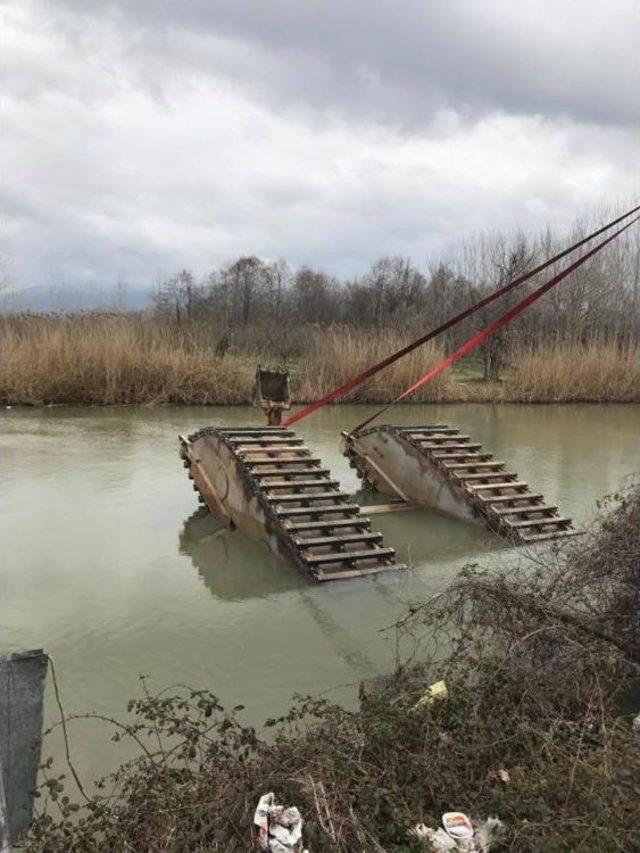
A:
[266,482]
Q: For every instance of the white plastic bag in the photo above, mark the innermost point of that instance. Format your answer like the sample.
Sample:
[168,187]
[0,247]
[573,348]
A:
[278,829]
[458,834]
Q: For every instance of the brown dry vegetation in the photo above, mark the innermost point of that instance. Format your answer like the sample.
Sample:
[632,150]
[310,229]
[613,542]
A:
[120,359]
[571,371]
[111,359]
[337,355]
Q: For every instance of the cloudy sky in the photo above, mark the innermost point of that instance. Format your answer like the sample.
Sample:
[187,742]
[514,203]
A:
[144,135]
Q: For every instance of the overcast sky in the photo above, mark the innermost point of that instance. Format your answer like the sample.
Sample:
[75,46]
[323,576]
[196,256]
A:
[142,136]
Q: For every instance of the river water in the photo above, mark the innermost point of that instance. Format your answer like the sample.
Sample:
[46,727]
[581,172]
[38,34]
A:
[106,567]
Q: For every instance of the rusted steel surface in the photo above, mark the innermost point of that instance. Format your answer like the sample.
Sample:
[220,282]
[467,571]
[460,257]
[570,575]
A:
[438,467]
[201,481]
[272,393]
[268,484]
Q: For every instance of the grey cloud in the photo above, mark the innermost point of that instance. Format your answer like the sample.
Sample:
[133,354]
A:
[139,137]
[398,62]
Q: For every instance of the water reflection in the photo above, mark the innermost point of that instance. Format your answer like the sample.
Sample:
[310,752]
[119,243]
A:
[233,566]
[101,570]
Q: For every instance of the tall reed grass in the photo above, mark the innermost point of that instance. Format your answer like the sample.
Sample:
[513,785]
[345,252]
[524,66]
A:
[336,354]
[119,359]
[113,360]
[593,372]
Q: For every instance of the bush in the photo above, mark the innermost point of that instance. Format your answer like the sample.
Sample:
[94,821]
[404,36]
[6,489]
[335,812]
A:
[537,665]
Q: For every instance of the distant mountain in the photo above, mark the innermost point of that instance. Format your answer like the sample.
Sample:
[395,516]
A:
[44,299]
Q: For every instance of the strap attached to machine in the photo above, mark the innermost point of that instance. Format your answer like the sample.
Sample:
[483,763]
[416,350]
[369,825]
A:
[352,383]
[493,327]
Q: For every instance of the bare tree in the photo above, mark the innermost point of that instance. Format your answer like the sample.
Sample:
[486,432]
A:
[602,299]
[278,277]
[177,295]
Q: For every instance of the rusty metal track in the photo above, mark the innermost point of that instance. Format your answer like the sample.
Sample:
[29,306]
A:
[497,496]
[313,520]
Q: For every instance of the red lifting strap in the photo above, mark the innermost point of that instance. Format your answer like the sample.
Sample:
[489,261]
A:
[493,327]
[352,383]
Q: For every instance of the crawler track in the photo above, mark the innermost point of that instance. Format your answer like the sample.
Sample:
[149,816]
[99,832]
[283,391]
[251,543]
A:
[300,505]
[497,496]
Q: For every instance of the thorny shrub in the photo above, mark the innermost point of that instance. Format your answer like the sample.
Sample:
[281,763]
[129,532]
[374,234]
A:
[538,663]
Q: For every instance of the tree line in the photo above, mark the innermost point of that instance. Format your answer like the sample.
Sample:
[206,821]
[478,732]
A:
[251,296]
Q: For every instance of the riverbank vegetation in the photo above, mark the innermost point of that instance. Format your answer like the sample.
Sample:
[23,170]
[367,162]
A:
[203,337]
[535,727]
[121,359]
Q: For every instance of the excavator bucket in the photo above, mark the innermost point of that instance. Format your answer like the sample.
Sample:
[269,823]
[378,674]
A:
[272,393]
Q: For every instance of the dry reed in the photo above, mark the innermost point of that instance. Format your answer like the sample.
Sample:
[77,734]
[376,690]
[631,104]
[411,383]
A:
[338,353]
[113,360]
[120,359]
[596,371]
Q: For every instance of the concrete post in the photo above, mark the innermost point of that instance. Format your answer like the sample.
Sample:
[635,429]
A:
[22,680]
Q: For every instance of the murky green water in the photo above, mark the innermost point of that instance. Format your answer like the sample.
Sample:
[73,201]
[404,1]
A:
[104,566]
